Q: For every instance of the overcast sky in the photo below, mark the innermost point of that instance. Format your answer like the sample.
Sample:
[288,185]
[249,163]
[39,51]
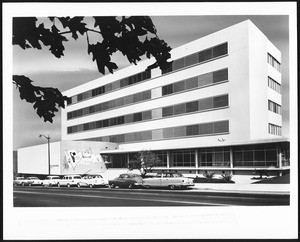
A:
[76,66]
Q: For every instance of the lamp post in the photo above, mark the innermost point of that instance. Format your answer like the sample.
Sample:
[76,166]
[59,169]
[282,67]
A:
[48,139]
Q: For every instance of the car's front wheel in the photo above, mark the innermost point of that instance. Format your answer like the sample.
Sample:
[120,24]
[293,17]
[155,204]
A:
[172,187]
[22,184]
[68,185]
[78,185]
[91,185]
[112,185]
[58,184]
[130,186]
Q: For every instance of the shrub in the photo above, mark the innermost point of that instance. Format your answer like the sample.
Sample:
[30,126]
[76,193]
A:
[226,177]
[208,175]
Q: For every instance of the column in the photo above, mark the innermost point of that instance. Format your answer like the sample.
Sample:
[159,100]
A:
[168,159]
[196,161]
[231,161]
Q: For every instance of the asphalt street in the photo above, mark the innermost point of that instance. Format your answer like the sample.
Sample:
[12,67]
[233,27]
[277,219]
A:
[107,197]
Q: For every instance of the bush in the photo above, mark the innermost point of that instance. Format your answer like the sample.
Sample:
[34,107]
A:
[208,175]
[226,177]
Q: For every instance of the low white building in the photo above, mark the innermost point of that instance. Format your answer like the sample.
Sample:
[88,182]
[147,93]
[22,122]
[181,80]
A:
[217,108]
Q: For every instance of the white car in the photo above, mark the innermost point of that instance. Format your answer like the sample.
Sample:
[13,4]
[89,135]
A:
[19,181]
[69,180]
[92,180]
[51,181]
[32,181]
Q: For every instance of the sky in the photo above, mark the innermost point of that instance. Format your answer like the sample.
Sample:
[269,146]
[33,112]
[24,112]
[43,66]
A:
[76,66]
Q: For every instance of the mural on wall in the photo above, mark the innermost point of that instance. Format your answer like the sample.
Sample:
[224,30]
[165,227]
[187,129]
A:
[81,162]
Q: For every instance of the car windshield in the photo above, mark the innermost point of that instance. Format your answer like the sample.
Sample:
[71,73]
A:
[177,175]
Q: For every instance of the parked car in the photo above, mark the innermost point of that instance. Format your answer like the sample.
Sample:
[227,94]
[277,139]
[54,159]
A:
[51,181]
[129,180]
[92,180]
[69,180]
[172,180]
[19,181]
[32,181]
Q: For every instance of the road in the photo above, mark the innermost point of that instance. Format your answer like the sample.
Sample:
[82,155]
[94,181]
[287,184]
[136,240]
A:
[107,197]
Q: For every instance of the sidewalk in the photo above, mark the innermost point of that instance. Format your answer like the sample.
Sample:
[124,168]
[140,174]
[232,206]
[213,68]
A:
[243,185]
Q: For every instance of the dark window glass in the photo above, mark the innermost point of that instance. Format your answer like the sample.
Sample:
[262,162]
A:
[191,59]
[137,117]
[221,101]
[179,109]
[221,75]
[69,101]
[91,109]
[121,120]
[167,89]
[128,99]
[167,70]
[206,103]
[112,121]
[147,135]
[69,130]
[124,82]
[146,95]
[137,136]
[147,115]
[129,118]
[129,137]
[179,86]
[192,130]
[191,83]
[137,97]
[220,127]
[85,126]
[178,64]
[99,124]
[180,131]
[98,107]
[192,106]
[206,128]
[105,106]
[168,133]
[205,79]
[167,111]
[120,102]
[220,50]
[69,115]
[105,123]
[108,87]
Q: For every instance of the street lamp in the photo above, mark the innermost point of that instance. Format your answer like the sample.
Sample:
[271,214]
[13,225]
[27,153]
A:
[48,139]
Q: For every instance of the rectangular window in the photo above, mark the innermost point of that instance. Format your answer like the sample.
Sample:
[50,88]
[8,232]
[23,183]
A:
[220,50]
[180,131]
[179,86]
[205,79]
[166,90]
[221,127]
[219,76]
[178,64]
[192,130]
[156,113]
[147,115]
[121,120]
[192,106]
[129,118]
[167,111]
[220,101]
[206,128]
[274,85]
[157,134]
[168,133]
[205,103]
[191,59]
[137,117]
[179,109]
[191,83]
[128,100]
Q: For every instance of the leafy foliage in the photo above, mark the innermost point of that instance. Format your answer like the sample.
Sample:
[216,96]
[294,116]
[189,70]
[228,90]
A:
[226,177]
[208,175]
[45,100]
[144,161]
[133,36]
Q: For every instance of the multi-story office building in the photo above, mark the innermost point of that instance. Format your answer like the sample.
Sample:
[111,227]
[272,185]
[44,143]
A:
[217,108]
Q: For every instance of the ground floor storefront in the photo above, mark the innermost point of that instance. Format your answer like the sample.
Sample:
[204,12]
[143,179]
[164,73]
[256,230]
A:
[239,159]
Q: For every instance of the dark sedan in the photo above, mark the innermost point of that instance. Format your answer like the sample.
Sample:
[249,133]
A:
[128,180]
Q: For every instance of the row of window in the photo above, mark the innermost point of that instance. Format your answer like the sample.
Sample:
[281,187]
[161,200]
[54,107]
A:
[130,99]
[274,129]
[273,62]
[169,133]
[197,81]
[187,84]
[194,106]
[127,81]
[243,156]
[198,57]
[274,107]
[274,85]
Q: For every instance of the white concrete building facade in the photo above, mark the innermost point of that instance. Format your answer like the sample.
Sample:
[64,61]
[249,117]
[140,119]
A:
[217,108]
